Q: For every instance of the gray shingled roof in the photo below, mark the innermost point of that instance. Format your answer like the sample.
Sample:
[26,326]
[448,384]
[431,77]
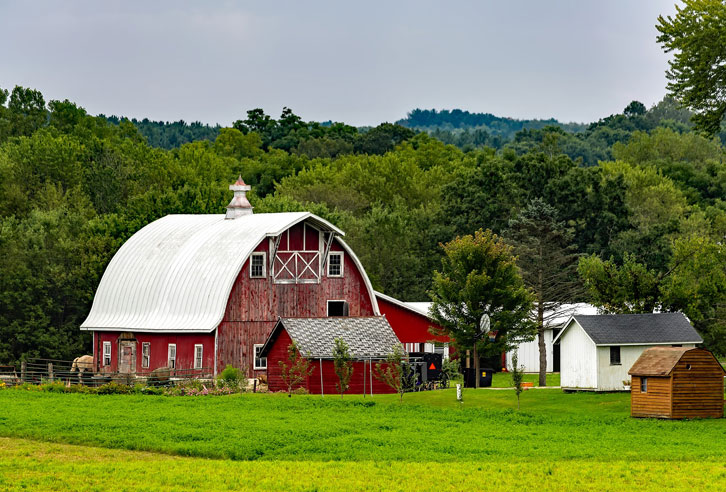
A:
[617,329]
[365,336]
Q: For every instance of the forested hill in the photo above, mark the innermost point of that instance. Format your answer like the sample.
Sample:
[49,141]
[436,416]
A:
[457,119]
[170,135]
[647,218]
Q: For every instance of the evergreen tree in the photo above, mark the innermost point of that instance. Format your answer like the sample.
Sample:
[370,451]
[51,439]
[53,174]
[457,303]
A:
[548,260]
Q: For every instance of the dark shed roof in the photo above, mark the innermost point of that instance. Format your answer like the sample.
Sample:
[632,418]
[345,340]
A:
[620,329]
[366,336]
[660,361]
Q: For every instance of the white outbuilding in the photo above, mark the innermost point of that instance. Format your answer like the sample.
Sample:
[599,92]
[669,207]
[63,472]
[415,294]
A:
[554,321]
[597,351]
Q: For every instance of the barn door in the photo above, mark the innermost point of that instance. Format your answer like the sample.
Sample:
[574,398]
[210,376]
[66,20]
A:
[127,356]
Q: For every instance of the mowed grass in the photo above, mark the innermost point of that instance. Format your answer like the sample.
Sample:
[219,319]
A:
[34,465]
[504,379]
[427,427]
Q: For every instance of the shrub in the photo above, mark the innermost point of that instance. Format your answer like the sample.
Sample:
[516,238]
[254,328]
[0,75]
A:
[56,387]
[113,389]
[232,377]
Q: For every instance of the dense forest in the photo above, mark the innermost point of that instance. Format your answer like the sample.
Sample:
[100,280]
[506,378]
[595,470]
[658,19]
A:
[640,194]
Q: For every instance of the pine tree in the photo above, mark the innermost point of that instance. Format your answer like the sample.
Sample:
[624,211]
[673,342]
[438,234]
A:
[548,260]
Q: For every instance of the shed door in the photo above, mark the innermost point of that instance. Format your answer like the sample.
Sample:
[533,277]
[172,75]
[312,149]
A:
[127,356]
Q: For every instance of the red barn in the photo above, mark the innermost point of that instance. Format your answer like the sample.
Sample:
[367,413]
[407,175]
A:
[204,291]
[369,339]
[411,325]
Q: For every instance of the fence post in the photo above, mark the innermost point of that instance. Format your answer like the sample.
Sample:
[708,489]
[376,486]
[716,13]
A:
[23,370]
[50,371]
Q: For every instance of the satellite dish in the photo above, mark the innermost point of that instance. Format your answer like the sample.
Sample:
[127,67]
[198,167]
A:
[484,323]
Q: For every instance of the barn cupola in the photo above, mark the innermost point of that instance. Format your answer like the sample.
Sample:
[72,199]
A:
[239,205]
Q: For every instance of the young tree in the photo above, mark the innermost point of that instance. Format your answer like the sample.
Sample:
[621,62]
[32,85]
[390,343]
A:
[479,277]
[393,372]
[517,377]
[548,260]
[696,76]
[343,363]
[297,370]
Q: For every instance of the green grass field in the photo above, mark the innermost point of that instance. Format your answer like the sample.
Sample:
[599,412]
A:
[504,379]
[270,442]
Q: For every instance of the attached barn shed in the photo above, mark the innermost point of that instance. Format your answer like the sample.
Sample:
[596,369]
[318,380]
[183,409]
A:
[370,339]
[411,323]
[676,383]
[596,351]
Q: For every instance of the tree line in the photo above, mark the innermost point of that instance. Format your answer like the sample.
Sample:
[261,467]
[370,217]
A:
[644,224]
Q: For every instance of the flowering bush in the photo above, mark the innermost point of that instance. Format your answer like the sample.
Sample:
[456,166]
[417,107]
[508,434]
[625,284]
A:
[2,384]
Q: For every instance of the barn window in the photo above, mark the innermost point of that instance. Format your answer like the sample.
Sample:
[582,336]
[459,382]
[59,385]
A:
[643,385]
[145,355]
[172,356]
[337,308]
[614,356]
[198,351]
[260,362]
[106,353]
[257,265]
[335,264]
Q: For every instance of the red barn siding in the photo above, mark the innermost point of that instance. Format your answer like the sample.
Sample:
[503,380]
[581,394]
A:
[408,326]
[159,350]
[255,304]
[278,352]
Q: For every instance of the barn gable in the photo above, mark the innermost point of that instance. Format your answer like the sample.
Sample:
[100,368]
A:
[176,274]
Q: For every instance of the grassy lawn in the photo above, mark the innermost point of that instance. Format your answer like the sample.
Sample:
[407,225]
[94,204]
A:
[504,379]
[34,465]
[581,441]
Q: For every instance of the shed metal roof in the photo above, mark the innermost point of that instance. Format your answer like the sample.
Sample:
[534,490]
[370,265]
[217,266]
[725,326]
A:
[636,329]
[176,274]
[369,336]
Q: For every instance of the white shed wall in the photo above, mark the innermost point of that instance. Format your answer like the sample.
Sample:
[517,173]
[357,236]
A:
[578,359]
[610,378]
[528,354]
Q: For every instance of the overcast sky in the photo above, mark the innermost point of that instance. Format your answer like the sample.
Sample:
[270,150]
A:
[362,63]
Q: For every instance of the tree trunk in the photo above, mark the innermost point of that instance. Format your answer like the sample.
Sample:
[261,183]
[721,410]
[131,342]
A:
[540,331]
[476,368]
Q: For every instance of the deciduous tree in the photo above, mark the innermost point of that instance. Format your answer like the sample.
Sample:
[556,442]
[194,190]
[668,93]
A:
[479,277]
[696,36]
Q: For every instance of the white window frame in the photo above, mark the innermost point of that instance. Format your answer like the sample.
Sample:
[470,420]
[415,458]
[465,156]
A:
[198,355]
[106,354]
[145,355]
[342,262]
[171,361]
[264,264]
[254,350]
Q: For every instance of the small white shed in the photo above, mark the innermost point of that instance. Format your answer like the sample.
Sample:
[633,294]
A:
[554,321]
[597,351]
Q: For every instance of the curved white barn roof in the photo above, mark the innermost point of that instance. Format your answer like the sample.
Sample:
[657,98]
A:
[176,274]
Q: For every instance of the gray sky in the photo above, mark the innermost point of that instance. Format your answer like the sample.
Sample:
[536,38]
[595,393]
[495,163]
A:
[361,63]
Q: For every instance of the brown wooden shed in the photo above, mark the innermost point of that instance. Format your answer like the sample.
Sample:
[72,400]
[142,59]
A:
[677,383]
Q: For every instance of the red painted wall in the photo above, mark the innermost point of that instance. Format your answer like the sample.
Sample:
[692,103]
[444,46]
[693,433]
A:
[159,350]
[278,352]
[255,304]
[408,326]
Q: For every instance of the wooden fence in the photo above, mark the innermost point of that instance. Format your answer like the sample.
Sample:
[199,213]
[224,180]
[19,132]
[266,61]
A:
[40,371]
